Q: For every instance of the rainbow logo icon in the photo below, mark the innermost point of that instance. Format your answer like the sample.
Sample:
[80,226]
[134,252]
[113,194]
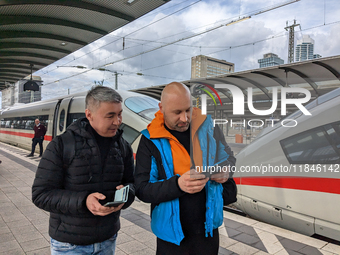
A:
[208,92]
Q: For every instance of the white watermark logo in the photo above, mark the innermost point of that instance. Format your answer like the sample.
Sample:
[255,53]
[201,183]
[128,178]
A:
[238,100]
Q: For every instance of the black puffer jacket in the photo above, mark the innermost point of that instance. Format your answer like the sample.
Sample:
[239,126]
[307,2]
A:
[63,192]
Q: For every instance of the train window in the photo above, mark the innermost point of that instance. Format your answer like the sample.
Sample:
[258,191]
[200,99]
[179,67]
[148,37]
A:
[26,122]
[16,123]
[29,124]
[334,134]
[143,106]
[23,123]
[149,114]
[139,104]
[61,120]
[72,117]
[320,145]
[8,124]
[129,134]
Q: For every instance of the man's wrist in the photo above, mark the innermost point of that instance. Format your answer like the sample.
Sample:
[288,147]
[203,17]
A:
[177,182]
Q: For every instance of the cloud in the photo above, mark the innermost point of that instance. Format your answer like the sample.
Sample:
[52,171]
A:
[242,43]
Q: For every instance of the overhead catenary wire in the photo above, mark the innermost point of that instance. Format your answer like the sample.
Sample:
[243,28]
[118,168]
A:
[147,51]
[188,37]
[163,18]
[232,47]
[225,48]
[121,37]
[256,12]
[160,9]
[85,86]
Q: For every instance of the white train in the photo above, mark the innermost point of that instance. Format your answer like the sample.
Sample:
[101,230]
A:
[290,177]
[17,122]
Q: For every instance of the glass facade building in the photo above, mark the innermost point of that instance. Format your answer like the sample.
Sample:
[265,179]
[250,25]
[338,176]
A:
[304,49]
[270,59]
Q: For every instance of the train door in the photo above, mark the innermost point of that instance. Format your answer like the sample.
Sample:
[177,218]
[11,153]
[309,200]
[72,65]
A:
[62,113]
[55,119]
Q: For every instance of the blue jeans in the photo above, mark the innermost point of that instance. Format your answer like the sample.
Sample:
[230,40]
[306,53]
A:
[104,248]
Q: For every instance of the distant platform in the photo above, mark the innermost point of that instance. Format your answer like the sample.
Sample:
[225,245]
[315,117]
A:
[24,227]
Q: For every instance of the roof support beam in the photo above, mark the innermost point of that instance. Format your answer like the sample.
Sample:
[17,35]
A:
[26,54]
[20,61]
[303,76]
[29,34]
[20,67]
[256,84]
[12,75]
[11,71]
[71,3]
[20,19]
[329,68]
[7,78]
[10,45]
[271,77]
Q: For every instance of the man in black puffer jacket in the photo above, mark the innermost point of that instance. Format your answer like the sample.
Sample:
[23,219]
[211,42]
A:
[74,193]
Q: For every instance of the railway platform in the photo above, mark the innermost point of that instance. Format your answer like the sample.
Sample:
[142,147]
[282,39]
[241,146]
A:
[24,227]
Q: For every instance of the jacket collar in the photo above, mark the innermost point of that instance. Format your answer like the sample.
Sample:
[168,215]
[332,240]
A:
[157,130]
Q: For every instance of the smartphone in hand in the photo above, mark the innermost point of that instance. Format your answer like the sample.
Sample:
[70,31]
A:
[121,196]
[113,204]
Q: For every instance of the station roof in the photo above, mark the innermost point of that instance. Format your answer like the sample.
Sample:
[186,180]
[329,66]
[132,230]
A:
[319,76]
[40,32]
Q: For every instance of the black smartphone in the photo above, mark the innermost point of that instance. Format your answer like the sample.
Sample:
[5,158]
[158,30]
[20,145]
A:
[121,196]
[113,204]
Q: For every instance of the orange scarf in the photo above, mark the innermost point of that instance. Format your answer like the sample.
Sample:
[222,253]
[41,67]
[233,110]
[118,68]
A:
[180,156]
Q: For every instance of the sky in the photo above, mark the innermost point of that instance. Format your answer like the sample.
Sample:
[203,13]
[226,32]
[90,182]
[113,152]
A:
[242,43]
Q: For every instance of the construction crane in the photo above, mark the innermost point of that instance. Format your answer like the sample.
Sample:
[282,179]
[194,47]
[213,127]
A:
[290,29]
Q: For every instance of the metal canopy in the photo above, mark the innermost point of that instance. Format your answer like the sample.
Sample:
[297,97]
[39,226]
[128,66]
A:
[319,76]
[40,32]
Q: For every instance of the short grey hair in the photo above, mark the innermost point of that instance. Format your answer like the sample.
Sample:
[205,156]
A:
[99,94]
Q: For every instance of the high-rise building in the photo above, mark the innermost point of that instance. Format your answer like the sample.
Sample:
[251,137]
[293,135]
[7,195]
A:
[270,59]
[304,49]
[204,66]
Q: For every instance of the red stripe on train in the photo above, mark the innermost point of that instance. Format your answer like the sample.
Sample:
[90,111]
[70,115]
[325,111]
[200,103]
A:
[28,135]
[328,185]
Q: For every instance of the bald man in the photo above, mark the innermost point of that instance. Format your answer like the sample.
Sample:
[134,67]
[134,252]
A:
[39,134]
[186,206]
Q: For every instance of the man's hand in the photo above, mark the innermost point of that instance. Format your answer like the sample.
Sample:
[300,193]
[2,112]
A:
[220,177]
[192,182]
[92,203]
